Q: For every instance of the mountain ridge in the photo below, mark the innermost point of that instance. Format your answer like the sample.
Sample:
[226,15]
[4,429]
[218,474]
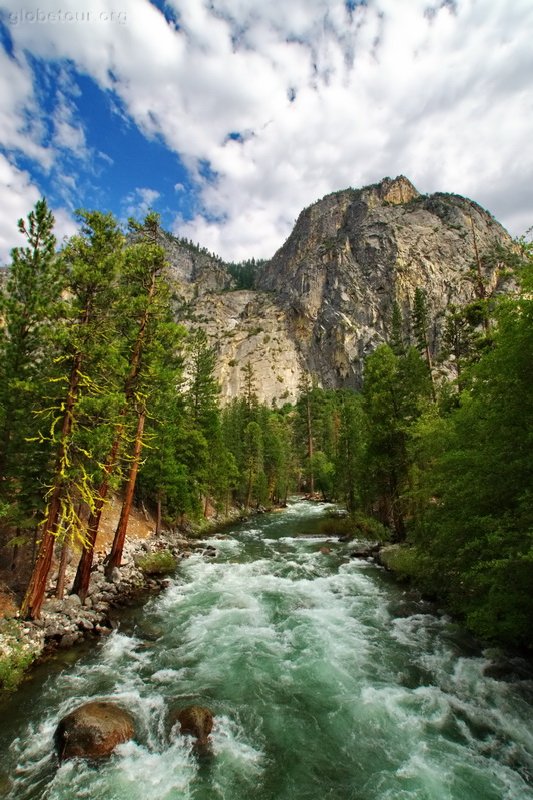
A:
[325,299]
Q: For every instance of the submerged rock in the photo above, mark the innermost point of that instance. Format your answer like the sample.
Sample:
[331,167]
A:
[93,731]
[197,721]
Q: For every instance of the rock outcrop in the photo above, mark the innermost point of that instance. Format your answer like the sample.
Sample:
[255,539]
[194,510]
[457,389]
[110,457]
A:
[196,721]
[355,253]
[93,731]
[325,300]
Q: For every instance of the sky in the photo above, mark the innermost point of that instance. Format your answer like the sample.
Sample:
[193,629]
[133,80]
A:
[228,117]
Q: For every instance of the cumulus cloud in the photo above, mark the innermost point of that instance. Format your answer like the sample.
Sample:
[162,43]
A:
[272,105]
[19,195]
[21,123]
[139,202]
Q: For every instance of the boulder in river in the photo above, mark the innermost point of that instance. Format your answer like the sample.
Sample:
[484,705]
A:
[93,730]
[197,721]
[365,550]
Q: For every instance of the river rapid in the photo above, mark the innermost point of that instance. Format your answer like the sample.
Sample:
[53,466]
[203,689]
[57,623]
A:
[321,687]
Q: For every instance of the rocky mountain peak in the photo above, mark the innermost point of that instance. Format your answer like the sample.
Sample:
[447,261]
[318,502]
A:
[325,299]
[396,190]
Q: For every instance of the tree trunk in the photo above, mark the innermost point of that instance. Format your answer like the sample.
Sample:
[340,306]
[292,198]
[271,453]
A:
[310,452]
[83,573]
[115,556]
[60,586]
[158,515]
[33,600]
[249,490]
[14,556]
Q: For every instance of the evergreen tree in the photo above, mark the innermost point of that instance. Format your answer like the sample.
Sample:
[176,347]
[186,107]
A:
[351,449]
[137,298]
[397,340]
[203,389]
[234,419]
[478,523]
[29,305]
[91,260]
[459,339]
[277,440]
[421,331]
[253,463]
[156,341]
[395,391]
[305,419]
[249,391]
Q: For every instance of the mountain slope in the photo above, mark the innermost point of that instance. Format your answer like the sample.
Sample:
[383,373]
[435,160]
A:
[325,299]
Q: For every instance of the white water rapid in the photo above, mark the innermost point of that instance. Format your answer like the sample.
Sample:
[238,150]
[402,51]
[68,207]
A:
[322,688]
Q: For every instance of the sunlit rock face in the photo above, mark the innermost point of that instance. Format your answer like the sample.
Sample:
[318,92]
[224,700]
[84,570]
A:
[325,299]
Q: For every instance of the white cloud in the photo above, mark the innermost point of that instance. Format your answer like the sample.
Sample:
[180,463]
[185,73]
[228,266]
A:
[20,116]
[18,196]
[69,134]
[139,202]
[23,129]
[436,90]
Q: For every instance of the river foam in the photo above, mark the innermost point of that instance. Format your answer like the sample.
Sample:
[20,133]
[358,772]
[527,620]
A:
[318,690]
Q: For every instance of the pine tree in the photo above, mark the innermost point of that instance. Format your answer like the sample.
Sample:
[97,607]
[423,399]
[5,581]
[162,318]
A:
[352,443]
[305,408]
[29,305]
[91,260]
[478,520]
[253,455]
[142,265]
[156,342]
[250,391]
[421,331]
[397,340]
[395,392]
[203,389]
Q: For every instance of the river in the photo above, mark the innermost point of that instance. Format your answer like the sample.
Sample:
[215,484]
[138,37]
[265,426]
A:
[321,690]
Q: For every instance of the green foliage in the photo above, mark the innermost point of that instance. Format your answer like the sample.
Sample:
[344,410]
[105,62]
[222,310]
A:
[355,526]
[16,655]
[477,523]
[30,303]
[396,391]
[397,340]
[407,563]
[88,345]
[245,273]
[162,562]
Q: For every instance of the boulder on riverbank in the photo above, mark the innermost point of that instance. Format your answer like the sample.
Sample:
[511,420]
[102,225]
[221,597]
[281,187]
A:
[93,731]
[365,550]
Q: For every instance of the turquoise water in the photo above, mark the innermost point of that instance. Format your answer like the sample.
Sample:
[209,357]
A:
[319,691]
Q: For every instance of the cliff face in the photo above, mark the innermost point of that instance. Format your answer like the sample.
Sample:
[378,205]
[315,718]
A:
[325,299]
[354,253]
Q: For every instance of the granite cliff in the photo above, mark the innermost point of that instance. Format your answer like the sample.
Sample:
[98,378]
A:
[325,299]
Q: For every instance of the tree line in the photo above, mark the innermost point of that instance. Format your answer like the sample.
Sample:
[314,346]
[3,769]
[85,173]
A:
[102,391]
[444,460]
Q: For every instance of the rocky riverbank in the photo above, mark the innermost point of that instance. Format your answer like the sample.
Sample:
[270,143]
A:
[146,564]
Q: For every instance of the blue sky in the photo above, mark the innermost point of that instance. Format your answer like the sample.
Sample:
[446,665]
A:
[229,116]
